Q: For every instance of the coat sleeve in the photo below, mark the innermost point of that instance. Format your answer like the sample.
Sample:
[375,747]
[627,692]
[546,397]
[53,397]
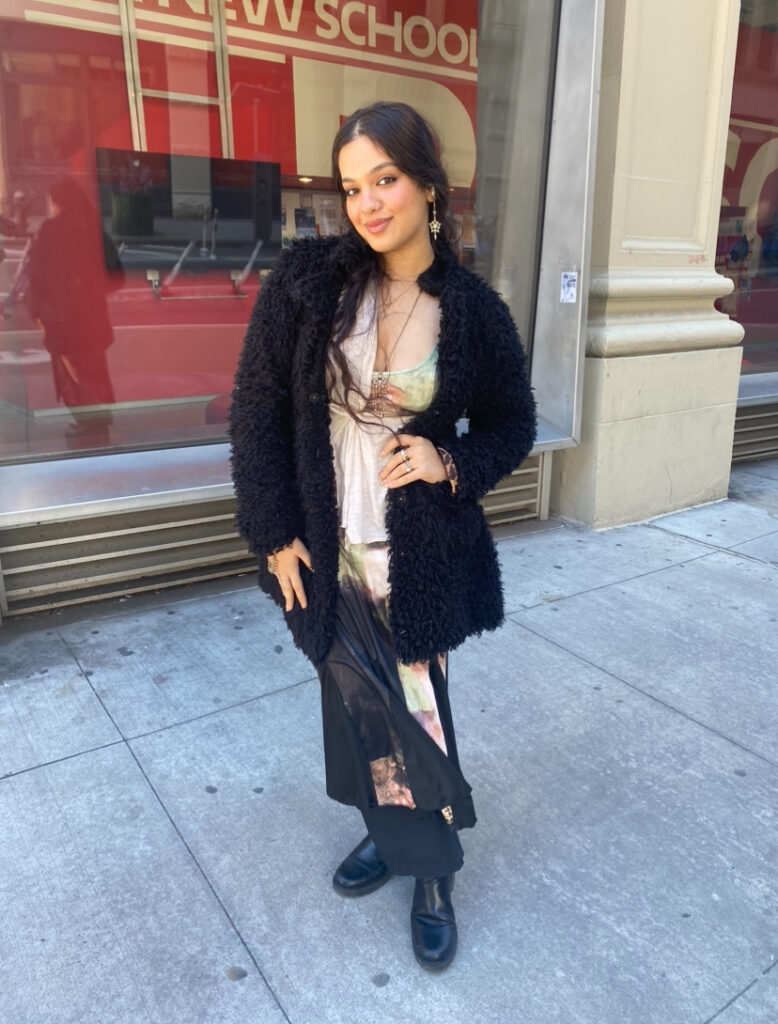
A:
[501,415]
[260,427]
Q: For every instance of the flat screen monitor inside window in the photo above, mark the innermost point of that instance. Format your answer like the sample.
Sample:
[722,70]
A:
[195,213]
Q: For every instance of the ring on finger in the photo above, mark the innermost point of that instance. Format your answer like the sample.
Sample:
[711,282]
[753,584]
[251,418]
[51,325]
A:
[407,462]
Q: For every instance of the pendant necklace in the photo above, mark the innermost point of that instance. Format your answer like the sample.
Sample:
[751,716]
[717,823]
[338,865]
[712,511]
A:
[379,381]
[386,303]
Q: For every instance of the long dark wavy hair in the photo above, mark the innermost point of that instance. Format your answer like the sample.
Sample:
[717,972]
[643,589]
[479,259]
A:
[413,145]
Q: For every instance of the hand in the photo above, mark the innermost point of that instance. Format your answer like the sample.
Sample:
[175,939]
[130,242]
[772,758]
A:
[285,566]
[412,458]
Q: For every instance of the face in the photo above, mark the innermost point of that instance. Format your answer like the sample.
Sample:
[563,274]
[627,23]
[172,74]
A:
[387,208]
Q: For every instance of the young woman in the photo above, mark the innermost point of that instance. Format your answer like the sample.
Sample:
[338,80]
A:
[359,492]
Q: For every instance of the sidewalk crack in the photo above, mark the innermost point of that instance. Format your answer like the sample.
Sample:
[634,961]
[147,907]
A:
[613,583]
[211,887]
[734,999]
[719,548]
[651,696]
[221,709]
[185,844]
[60,760]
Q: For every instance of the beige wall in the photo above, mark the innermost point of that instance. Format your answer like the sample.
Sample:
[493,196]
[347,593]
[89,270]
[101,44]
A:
[662,364]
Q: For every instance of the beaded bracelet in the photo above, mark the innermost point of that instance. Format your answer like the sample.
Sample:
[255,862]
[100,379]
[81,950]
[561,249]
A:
[450,468]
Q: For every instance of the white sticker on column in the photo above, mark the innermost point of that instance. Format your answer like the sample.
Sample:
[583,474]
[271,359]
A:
[568,287]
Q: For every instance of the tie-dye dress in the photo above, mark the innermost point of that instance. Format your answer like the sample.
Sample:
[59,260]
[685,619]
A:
[388,736]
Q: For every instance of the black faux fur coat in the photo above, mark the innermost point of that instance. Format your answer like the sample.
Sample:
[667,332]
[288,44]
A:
[444,577]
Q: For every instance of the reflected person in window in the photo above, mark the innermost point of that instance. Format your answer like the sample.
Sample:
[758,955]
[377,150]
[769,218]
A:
[73,267]
[359,492]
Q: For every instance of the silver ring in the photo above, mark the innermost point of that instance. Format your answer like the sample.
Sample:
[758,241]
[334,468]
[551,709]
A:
[407,461]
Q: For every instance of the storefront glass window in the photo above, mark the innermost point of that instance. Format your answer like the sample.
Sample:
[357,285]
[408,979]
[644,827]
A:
[156,155]
[517,44]
[747,250]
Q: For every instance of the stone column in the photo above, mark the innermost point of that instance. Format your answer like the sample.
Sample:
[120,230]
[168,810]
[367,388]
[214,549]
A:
[662,365]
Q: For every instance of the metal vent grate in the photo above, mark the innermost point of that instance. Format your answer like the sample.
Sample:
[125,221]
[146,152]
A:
[756,432]
[520,495]
[49,565]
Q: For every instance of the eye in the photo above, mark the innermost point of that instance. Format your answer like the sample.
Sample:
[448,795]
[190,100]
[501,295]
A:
[350,192]
[387,179]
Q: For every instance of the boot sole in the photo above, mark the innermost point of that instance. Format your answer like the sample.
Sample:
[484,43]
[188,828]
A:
[362,890]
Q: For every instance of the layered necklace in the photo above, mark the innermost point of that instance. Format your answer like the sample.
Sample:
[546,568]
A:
[379,382]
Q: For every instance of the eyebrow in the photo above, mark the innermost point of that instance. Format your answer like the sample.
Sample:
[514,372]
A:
[378,167]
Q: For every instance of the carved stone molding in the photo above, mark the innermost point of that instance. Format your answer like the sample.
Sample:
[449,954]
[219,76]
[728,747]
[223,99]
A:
[640,312]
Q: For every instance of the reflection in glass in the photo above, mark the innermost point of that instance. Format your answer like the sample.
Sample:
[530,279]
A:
[149,143]
[189,212]
[66,295]
[747,249]
[517,42]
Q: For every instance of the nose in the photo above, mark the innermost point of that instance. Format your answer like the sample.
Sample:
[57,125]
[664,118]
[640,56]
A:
[369,201]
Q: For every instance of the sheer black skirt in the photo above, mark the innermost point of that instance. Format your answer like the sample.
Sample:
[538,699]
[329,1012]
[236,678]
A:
[389,742]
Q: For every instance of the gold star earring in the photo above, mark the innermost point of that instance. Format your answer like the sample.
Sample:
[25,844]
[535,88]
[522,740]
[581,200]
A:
[435,224]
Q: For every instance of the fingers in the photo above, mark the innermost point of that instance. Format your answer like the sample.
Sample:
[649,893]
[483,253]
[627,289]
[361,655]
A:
[397,469]
[397,441]
[404,478]
[287,573]
[397,464]
[402,448]
[299,593]
[288,592]
[417,459]
[403,473]
[302,553]
[292,587]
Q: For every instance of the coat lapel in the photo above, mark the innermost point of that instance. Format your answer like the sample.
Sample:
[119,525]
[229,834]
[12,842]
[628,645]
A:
[452,390]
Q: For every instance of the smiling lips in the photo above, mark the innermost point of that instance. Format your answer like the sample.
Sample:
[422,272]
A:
[376,226]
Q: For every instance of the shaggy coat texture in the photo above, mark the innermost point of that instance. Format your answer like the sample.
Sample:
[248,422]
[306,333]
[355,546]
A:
[444,576]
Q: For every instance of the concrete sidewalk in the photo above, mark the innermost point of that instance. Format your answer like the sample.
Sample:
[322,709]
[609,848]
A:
[167,845]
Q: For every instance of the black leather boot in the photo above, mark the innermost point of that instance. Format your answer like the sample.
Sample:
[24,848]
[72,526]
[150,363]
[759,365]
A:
[433,926]
[362,872]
